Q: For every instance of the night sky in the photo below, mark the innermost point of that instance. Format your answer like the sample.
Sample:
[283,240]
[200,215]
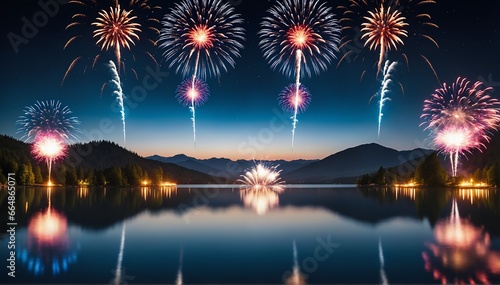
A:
[243,103]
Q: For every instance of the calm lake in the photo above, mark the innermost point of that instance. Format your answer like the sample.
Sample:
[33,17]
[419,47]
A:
[211,235]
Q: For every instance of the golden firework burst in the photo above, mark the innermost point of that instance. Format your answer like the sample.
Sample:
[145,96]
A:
[116,29]
[384,30]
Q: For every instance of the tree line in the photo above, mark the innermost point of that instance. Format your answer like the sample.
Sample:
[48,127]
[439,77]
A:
[130,175]
[429,173]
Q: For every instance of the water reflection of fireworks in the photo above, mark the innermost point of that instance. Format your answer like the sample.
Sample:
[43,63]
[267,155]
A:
[261,199]
[461,253]
[48,248]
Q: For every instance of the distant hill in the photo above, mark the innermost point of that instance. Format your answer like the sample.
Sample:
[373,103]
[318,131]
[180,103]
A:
[225,166]
[353,162]
[99,155]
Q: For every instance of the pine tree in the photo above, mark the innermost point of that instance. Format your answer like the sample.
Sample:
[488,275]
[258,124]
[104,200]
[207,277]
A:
[430,172]
[71,176]
[38,174]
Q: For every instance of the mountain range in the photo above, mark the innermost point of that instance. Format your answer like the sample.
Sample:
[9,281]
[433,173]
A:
[226,167]
[99,155]
[350,163]
[342,167]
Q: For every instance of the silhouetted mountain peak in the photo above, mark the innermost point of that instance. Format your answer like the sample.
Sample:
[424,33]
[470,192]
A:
[352,162]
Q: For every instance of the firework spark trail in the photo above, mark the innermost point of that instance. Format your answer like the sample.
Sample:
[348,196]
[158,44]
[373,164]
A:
[298,59]
[384,90]
[383,276]
[201,38]
[192,108]
[119,94]
[296,277]
[118,271]
[299,37]
[179,281]
[193,92]
[454,215]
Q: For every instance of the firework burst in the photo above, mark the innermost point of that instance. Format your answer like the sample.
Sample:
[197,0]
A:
[201,38]
[290,102]
[299,37]
[262,176]
[111,28]
[116,29]
[48,147]
[193,93]
[385,26]
[384,30]
[461,117]
[48,117]
[307,27]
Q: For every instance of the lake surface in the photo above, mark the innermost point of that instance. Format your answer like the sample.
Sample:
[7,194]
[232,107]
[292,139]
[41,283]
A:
[211,235]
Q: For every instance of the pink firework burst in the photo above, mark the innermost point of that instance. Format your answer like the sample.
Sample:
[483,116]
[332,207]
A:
[462,104]
[192,94]
[289,99]
[459,140]
[48,147]
[461,116]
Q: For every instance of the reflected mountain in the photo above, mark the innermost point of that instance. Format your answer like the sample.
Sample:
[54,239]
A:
[461,252]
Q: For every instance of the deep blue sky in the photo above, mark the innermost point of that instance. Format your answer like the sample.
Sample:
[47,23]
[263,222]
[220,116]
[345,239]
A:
[242,101]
